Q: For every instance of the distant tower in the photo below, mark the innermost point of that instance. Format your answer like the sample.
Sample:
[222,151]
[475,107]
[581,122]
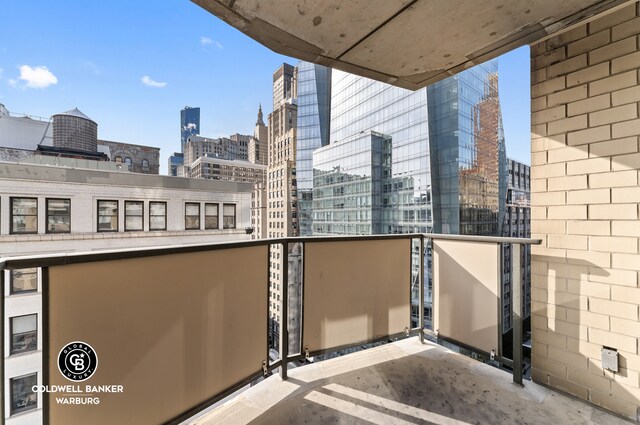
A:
[189,124]
[260,120]
[259,142]
[75,130]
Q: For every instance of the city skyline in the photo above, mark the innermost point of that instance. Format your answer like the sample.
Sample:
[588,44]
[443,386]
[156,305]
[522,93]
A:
[136,97]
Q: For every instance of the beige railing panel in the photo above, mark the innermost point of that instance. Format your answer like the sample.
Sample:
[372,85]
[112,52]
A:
[466,292]
[355,291]
[174,330]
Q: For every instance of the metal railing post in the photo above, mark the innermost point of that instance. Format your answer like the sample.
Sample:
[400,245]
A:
[516,306]
[284,312]
[2,358]
[421,291]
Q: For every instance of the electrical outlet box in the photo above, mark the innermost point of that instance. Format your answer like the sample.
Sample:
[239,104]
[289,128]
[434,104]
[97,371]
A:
[609,359]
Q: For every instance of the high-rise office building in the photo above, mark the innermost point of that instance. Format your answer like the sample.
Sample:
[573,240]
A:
[314,117]
[517,224]
[282,219]
[189,124]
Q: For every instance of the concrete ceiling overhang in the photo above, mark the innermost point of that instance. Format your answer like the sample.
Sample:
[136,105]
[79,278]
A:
[407,43]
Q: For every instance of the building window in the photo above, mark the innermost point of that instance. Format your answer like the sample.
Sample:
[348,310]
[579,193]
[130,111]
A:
[58,215]
[157,216]
[127,161]
[192,216]
[24,334]
[210,216]
[24,280]
[107,216]
[118,160]
[145,165]
[133,216]
[23,397]
[24,215]
[229,216]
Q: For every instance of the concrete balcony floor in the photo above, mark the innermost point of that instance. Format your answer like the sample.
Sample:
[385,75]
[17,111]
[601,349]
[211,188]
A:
[401,383]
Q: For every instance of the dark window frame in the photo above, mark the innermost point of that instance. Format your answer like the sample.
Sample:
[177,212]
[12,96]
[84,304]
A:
[117,215]
[165,215]
[141,215]
[185,216]
[34,406]
[11,278]
[235,212]
[217,216]
[47,215]
[12,231]
[11,350]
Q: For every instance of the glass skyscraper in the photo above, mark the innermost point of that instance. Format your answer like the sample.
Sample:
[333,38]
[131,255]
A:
[312,132]
[189,124]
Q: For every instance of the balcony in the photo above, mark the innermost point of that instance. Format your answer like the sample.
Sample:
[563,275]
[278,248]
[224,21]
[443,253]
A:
[182,328]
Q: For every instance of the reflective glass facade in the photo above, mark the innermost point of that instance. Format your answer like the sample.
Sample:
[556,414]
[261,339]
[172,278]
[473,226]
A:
[349,178]
[360,105]
[189,124]
[468,160]
[314,100]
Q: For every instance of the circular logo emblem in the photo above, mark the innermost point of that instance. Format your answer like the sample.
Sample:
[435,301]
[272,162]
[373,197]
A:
[77,361]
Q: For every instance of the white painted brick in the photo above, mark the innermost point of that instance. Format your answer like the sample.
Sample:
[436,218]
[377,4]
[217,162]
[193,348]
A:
[548,198]
[572,153]
[589,166]
[627,128]
[625,194]
[613,212]
[626,29]
[588,227]
[625,228]
[613,308]
[548,143]
[615,179]
[538,185]
[568,124]
[588,318]
[565,96]
[538,158]
[568,241]
[538,103]
[549,114]
[590,289]
[574,212]
[587,44]
[625,293]
[615,340]
[626,162]
[624,326]
[548,86]
[538,75]
[629,95]
[625,63]
[599,259]
[548,58]
[591,104]
[614,18]
[626,261]
[549,170]
[613,115]
[590,196]
[616,82]
[613,147]
[613,244]
[612,50]
[567,183]
[548,226]
[567,37]
[595,134]
[539,130]
[614,276]
[587,75]
[567,66]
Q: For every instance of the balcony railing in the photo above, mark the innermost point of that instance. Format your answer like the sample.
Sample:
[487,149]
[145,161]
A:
[180,328]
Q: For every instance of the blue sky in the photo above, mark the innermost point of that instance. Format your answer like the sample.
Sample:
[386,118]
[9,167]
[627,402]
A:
[131,66]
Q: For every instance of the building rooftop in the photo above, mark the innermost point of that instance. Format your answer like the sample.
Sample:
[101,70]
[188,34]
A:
[401,383]
[76,113]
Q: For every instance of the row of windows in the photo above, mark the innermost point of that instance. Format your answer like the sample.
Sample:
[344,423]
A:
[24,215]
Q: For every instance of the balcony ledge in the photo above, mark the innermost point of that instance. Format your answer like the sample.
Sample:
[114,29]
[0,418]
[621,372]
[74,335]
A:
[401,383]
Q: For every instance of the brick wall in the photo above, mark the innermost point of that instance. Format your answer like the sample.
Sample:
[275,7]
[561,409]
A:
[585,96]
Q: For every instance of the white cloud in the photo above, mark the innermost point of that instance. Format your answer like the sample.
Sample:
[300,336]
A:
[147,81]
[92,67]
[206,41]
[38,77]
